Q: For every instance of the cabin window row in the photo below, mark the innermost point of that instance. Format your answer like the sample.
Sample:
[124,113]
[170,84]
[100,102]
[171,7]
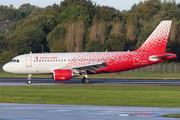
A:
[80,60]
[99,59]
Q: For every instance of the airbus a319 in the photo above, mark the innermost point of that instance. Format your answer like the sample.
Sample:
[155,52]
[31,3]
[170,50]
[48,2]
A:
[64,66]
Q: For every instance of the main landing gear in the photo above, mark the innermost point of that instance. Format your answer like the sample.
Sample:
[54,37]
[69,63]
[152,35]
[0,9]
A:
[29,79]
[86,80]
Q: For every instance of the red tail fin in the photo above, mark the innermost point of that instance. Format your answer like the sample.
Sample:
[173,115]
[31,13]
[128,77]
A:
[157,41]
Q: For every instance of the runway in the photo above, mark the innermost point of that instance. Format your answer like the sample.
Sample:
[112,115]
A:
[46,81]
[13,111]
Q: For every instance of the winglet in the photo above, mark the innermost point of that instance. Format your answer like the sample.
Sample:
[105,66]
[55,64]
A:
[157,41]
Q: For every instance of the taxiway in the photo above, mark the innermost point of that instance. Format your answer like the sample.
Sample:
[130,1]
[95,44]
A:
[14,111]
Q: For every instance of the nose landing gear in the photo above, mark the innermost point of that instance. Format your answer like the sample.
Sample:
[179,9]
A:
[29,79]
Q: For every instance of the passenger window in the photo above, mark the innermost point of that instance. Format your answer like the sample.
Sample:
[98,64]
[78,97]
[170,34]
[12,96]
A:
[18,61]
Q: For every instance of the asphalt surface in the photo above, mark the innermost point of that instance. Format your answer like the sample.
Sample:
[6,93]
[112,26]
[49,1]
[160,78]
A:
[45,81]
[13,111]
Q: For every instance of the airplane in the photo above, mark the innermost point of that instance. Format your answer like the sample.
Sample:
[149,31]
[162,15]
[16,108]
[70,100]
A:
[64,66]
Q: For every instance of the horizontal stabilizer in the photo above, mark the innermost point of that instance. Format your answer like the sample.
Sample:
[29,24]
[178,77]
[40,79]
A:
[157,57]
[161,56]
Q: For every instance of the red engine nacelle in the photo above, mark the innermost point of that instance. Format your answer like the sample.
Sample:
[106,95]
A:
[63,75]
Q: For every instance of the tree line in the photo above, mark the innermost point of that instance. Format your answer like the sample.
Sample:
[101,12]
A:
[82,25]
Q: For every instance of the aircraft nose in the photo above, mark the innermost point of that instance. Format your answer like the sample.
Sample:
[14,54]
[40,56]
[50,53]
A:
[6,67]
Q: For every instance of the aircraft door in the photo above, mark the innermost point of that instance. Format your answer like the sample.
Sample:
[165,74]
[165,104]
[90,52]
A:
[136,59]
[28,61]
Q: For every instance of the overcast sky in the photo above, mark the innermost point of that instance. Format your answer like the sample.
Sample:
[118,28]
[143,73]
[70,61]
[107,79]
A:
[118,4]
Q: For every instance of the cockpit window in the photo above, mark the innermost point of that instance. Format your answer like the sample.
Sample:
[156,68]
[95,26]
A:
[15,60]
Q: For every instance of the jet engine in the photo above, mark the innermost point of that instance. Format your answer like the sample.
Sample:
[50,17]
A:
[63,75]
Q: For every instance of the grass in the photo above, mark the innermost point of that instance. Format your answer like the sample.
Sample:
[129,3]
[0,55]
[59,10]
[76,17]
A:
[152,96]
[173,115]
[107,76]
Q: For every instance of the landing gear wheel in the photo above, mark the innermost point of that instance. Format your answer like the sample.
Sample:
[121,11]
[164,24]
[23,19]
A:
[83,80]
[86,80]
[28,82]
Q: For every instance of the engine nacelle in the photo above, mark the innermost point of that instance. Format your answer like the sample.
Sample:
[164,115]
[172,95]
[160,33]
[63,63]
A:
[63,75]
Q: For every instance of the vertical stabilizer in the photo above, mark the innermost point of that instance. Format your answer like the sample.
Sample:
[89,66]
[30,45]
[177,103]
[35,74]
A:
[157,41]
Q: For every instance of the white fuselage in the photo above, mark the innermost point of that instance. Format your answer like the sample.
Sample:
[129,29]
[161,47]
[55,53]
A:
[38,63]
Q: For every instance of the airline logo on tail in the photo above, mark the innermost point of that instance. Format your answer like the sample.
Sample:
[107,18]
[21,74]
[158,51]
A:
[157,41]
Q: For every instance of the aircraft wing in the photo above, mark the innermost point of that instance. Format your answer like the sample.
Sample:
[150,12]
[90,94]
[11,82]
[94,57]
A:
[92,67]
